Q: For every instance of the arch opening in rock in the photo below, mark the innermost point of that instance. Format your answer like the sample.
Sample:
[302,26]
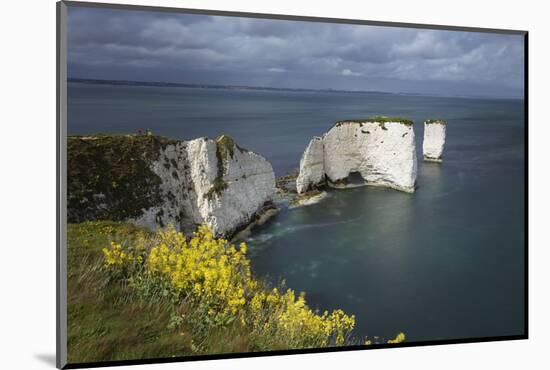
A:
[355,178]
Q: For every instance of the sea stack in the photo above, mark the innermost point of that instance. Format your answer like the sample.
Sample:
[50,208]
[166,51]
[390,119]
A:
[434,140]
[377,151]
[153,181]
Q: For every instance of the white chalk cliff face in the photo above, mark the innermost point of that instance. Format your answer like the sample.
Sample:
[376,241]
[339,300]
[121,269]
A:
[434,140]
[214,183]
[312,166]
[381,151]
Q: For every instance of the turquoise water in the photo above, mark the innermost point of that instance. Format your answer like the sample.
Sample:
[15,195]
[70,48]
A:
[443,263]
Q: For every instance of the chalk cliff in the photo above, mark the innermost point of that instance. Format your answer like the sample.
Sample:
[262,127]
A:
[312,166]
[380,151]
[434,140]
[154,181]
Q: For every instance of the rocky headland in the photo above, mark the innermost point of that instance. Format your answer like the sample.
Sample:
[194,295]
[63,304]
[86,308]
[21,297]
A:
[154,181]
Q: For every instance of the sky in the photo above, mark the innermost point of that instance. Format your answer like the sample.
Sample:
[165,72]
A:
[199,49]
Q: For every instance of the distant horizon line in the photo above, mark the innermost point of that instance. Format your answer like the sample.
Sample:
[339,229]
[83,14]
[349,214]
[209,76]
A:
[267,88]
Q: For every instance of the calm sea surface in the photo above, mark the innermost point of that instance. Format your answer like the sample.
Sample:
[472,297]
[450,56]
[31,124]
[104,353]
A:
[443,263]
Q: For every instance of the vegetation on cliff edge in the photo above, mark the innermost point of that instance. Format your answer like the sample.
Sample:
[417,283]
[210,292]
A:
[435,121]
[376,119]
[225,148]
[135,294]
[109,176]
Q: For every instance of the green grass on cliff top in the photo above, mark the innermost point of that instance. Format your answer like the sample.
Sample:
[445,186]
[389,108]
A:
[109,321]
[116,167]
[377,119]
[435,121]
[122,139]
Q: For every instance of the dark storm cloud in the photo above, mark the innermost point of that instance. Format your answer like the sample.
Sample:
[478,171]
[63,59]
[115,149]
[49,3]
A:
[121,44]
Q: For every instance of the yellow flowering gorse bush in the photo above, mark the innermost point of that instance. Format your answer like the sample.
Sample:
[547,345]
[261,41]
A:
[208,269]
[114,255]
[398,339]
[289,316]
[216,276]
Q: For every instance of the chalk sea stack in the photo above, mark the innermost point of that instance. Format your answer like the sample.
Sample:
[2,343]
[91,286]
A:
[377,151]
[434,140]
[154,181]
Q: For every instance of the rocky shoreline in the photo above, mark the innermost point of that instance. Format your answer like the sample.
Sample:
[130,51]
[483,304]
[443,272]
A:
[154,181]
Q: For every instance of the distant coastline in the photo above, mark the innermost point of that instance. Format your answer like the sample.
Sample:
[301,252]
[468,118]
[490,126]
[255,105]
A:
[266,88]
[210,86]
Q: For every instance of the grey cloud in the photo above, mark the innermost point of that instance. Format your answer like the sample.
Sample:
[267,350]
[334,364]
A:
[122,44]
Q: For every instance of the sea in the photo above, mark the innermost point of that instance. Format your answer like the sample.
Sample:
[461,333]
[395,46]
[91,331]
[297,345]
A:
[444,263]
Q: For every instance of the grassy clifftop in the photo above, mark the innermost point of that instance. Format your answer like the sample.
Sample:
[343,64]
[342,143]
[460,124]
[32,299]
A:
[109,177]
[435,122]
[376,119]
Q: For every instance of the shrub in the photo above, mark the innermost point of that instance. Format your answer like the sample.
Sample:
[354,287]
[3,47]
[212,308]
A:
[215,277]
[376,119]
[218,188]
[398,339]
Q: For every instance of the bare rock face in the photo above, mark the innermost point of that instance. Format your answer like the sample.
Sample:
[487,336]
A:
[218,184]
[153,182]
[378,151]
[312,166]
[434,140]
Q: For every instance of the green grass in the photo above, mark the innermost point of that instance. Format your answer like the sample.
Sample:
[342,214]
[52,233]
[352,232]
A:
[108,321]
[376,119]
[435,121]
[109,176]
[225,147]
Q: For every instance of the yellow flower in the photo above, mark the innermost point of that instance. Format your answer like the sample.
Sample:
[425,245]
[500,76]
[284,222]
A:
[398,339]
[216,275]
